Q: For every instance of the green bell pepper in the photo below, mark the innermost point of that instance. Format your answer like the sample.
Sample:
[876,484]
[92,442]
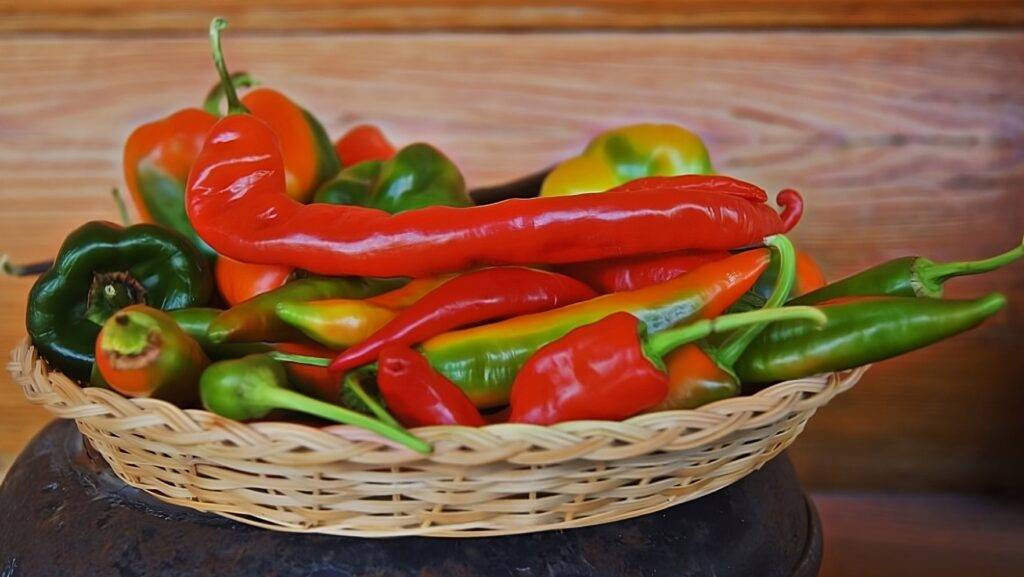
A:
[101,268]
[417,176]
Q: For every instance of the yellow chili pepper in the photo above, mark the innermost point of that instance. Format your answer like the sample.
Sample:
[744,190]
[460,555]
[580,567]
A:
[335,323]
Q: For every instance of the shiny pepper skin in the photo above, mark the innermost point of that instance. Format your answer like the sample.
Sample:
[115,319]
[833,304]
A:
[597,371]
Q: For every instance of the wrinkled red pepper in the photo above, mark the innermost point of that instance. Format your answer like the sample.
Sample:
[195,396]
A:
[475,297]
[240,173]
[418,395]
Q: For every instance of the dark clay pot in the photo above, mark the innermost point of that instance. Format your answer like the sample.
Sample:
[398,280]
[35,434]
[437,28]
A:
[64,513]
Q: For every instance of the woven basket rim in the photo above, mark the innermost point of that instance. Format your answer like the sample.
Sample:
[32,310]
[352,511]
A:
[351,433]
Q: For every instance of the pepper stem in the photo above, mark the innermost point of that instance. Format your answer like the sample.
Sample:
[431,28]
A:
[128,334]
[287,399]
[931,275]
[352,383]
[30,269]
[122,208]
[235,105]
[733,347]
[213,98]
[665,342]
[299,359]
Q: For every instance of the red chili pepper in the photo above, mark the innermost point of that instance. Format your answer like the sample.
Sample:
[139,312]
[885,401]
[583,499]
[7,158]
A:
[472,298]
[418,395]
[240,281]
[237,203]
[610,370]
[630,273]
[362,143]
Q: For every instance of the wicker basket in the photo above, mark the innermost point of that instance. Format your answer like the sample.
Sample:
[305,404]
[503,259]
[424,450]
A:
[495,480]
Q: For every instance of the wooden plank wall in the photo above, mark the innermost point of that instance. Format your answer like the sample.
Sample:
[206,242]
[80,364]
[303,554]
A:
[903,142]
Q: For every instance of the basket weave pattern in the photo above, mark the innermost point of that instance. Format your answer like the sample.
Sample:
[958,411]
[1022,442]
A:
[494,480]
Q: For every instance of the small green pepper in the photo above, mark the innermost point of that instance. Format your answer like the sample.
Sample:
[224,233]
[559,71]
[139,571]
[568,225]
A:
[101,268]
[417,176]
[251,387]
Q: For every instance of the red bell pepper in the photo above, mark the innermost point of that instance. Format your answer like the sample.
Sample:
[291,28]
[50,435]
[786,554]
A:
[610,370]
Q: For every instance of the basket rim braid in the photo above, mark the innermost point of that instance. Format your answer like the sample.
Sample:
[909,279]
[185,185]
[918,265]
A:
[499,479]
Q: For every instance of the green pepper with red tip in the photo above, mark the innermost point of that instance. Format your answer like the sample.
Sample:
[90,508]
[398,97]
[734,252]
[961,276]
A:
[612,370]
[142,352]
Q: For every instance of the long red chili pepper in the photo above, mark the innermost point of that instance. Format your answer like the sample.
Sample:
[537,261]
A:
[472,298]
[418,395]
[630,273]
[240,173]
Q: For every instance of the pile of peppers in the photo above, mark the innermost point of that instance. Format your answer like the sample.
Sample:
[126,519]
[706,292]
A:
[278,275]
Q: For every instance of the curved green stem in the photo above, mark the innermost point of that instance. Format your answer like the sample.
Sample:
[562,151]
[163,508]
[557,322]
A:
[353,384]
[31,269]
[299,359]
[736,343]
[932,274]
[235,105]
[122,208]
[213,98]
[665,342]
[287,399]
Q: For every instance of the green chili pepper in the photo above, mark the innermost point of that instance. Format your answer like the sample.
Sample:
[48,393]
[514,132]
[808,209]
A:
[251,387]
[417,176]
[911,276]
[100,269]
[858,332]
[256,319]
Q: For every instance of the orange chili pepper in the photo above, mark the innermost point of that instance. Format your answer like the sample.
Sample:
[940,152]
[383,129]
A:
[240,281]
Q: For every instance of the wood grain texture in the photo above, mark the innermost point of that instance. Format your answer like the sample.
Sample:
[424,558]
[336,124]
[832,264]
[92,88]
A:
[903,143]
[147,16]
[943,535]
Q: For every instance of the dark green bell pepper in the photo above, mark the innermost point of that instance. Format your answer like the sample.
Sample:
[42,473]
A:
[101,268]
[417,176]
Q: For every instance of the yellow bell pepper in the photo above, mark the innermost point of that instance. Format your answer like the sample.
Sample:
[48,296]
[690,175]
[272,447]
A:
[624,154]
